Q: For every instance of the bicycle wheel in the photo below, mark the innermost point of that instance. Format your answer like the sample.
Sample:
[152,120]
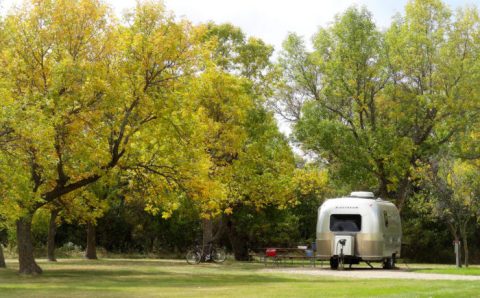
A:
[193,257]
[218,255]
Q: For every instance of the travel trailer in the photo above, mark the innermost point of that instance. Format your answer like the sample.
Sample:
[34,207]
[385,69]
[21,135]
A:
[357,228]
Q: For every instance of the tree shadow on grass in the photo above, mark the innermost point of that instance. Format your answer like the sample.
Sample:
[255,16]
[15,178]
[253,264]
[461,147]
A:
[77,278]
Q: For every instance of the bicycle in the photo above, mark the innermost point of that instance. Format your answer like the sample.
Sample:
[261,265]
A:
[205,253]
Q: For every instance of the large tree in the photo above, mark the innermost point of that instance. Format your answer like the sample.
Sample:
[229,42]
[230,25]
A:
[376,106]
[88,96]
[261,177]
[433,60]
[230,94]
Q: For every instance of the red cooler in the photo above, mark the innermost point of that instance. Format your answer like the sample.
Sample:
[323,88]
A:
[271,252]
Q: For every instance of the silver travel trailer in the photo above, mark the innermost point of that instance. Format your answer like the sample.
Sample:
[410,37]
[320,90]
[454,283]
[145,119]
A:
[358,228]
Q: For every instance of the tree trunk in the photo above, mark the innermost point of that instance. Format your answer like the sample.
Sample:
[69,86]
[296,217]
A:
[26,260]
[402,193]
[2,258]
[91,250]
[220,228]
[238,241]
[52,230]
[207,229]
[454,231]
[465,244]
[207,235]
[465,251]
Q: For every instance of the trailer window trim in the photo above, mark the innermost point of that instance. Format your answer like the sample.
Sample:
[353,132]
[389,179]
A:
[345,222]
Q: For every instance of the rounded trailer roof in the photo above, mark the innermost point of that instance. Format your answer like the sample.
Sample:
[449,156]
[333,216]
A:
[357,198]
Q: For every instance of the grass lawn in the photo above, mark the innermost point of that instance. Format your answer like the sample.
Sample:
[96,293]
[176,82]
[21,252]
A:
[471,270]
[175,278]
[440,268]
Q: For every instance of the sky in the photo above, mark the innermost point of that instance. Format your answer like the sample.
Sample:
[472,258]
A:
[272,20]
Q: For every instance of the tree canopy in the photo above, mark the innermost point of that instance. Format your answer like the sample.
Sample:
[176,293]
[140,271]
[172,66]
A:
[177,121]
[376,105]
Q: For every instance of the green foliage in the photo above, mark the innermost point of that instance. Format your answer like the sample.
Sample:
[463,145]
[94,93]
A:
[266,227]
[262,174]
[312,187]
[84,106]
[423,233]
[375,106]
[345,121]
[234,53]
[106,118]
[248,153]
[379,108]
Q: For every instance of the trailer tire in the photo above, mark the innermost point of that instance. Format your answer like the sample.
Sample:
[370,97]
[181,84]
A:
[393,261]
[334,263]
[389,263]
[386,263]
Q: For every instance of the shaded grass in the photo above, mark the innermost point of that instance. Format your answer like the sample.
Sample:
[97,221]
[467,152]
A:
[175,278]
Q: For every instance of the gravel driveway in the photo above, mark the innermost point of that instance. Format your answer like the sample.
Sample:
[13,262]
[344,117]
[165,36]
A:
[370,273]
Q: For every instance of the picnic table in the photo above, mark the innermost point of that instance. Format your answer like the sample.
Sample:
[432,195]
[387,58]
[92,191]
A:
[287,255]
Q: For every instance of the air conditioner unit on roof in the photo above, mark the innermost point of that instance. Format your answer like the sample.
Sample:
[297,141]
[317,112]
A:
[362,194]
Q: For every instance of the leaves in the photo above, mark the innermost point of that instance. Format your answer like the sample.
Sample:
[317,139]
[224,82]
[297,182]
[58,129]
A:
[375,106]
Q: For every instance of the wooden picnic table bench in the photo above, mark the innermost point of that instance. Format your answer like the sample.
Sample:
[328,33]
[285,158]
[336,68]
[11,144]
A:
[281,255]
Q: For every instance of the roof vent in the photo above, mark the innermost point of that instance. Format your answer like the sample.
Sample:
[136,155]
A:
[362,194]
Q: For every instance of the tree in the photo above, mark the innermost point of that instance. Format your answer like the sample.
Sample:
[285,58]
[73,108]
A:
[311,186]
[51,99]
[301,79]
[2,233]
[261,176]
[5,132]
[454,197]
[240,135]
[224,101]
[2,258]
[234,53]
[52,230]
[433,60]
[84,90]
[377,106]
[94,201]
[83,206]
[235,86]
[344,120]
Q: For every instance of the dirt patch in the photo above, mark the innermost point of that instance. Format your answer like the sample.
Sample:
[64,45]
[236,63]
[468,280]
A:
[370,273]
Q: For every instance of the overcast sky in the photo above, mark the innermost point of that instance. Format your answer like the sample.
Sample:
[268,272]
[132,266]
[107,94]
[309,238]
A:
[271,20]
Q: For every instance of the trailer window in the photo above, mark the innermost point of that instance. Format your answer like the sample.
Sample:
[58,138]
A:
[345,222]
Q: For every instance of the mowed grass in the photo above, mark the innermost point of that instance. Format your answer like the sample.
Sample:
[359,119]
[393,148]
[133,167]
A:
[440,268]
[471,270]
[175,278]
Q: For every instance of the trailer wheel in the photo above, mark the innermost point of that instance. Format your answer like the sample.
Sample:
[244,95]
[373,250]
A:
[386,263]
[389,263]
[393,261]
[334,263]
